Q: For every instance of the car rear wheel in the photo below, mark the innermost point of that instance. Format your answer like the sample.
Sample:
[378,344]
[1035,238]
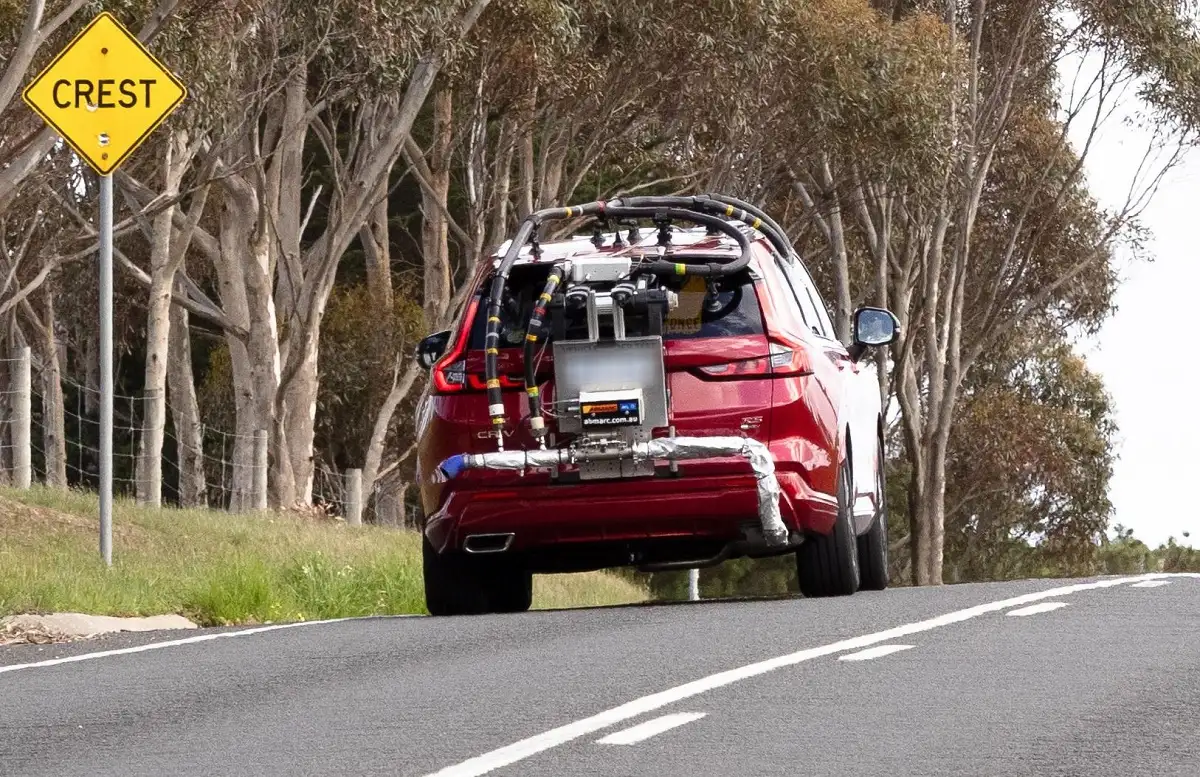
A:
[827,565]
[512,590]
[458,584]
[873,546]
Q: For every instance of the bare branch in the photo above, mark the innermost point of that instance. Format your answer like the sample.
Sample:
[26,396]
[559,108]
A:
[420,170]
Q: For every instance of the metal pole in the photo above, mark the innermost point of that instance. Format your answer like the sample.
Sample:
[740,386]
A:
[354,497]
[693,585]
[106,366]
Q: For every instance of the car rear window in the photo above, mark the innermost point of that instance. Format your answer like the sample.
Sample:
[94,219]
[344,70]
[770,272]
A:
[525,283]
[732,311]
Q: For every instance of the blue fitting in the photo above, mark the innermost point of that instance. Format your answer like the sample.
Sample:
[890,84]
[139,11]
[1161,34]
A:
[453,466]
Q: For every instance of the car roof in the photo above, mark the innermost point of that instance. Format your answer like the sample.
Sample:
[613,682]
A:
[691,241]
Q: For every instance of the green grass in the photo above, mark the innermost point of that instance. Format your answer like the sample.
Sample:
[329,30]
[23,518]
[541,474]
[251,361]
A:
[217,568]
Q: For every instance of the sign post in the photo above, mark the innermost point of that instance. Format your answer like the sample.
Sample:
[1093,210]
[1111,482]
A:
[106,366]
[104,94]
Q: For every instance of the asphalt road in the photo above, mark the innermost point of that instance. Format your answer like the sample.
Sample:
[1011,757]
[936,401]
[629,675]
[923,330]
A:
[1093,677]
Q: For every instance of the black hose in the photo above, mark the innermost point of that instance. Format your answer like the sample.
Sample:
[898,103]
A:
[491,369]
[536,321]
[773,231]
[667,267]
[703,210]
[718,204]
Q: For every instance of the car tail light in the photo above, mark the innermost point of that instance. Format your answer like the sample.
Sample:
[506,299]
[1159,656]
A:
[479,383]
[450,371]
[782,361]
[788,361]
[451,377]
[450,374]
[747,368]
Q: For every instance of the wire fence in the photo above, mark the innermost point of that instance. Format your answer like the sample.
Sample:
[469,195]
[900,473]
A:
[81,443]
[223,475]
[200,466]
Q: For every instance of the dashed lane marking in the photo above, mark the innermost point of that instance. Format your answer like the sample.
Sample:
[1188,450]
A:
[531,746]
[643,731]
[876,652]
[1037,609]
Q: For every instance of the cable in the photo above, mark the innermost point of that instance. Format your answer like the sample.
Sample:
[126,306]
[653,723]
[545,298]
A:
[709,270]
[491,344]
[537,424]
[774,232]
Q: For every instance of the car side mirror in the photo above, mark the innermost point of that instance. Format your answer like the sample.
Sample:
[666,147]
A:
[873,327]
[431,348]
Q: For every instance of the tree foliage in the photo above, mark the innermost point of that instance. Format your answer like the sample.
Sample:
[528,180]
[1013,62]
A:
[340,169]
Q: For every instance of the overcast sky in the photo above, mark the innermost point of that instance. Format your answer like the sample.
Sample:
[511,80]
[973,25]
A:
[1143,354]
[1143,349]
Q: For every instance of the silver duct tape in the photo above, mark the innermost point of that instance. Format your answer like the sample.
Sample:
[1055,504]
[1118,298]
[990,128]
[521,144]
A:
[761,461]
[670,448]
[516,460]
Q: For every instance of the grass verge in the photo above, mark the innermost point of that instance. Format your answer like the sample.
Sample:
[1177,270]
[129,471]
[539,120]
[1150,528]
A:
[218,569]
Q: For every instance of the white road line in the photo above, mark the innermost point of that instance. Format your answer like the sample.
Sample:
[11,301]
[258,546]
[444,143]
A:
[1037,608]
[519,751]
[1151,584]
[184,641]
[875,652]
[643,731]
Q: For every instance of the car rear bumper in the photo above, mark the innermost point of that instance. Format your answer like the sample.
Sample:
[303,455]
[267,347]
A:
[622,511]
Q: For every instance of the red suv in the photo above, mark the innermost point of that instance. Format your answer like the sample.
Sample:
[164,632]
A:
[667,393]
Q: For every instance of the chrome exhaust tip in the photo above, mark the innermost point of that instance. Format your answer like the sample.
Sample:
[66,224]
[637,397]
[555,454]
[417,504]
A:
[488,543]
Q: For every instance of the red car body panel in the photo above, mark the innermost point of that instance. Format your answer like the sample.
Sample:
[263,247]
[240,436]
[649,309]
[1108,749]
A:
[803,418]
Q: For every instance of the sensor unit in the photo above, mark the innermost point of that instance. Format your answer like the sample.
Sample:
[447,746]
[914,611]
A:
[600,269]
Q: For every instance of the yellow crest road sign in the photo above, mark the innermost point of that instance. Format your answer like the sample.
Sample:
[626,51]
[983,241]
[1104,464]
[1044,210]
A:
[104,93]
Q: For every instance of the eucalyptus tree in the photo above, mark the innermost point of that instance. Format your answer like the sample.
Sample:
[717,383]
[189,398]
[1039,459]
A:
[1001,230]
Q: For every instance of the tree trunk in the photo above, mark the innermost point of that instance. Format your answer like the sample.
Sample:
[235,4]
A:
[158,328]
[297,420]
[7,413]
[503,181]
[525,204]
[246,297]
[54,428]
[149,463]
[350,207]
[185,413]
[376,241]
[389,502]
[841,259]
[552,176]
[434,227]
[91,372]
[931,512]
[383,423]
[239,482]
[264,375]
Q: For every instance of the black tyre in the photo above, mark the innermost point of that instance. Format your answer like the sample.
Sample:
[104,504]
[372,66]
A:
[827,565]
[873,546]
[450,586]
[459,584]
[512,590]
